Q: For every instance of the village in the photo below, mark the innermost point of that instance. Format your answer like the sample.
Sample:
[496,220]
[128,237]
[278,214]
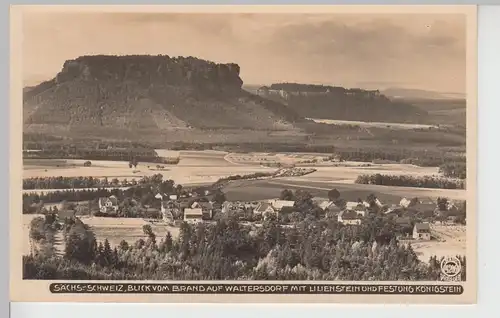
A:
[413,217]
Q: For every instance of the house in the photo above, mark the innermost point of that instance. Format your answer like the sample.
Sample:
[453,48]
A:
[425,208]
[193,215]
[329,206]
[403,221]
[263,208]
[173,197]
[422,231]
[107,205]
[280,204]
[405,202]
[394,210]
[206,207]
[349,217]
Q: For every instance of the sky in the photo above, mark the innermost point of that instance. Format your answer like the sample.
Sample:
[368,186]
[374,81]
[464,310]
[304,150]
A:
[374,51]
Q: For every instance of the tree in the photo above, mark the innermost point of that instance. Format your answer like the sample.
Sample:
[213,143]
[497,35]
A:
[169,242]
[219,197]
[287,195]
[147,230]
[442,204]
[333,195]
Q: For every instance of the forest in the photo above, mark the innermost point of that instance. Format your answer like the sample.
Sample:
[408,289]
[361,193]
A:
[411,181]
[314,249]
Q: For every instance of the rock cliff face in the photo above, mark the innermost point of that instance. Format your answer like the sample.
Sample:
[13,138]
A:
[131,96]
[154,70]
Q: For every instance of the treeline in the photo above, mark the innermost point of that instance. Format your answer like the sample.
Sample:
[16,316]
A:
[253,147]
[74,183]
[144,191]
[315,249]
[418,158]
[255,175]
[410,181]
[144,155]
[454,170]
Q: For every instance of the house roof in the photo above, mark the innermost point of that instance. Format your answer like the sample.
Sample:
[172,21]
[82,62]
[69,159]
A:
[193,212]
[263,207]
[423,206]
[279,204]
[351,204]
[325,204]
[422,227]
[403,221]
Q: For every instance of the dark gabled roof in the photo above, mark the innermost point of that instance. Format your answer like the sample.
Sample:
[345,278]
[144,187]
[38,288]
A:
[422,227]
[403,221]
[423,207]
[263,207]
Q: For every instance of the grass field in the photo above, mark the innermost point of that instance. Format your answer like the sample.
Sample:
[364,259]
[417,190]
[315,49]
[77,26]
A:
[268,189]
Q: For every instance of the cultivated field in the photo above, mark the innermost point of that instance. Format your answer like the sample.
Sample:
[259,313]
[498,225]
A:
[128,229]
[365,124]
[195,167]
[450,241]
[268,189]
[113,229]
[205,167]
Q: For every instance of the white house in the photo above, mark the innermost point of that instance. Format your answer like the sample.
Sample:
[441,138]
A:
[193,215]
[422,231]
[405,202]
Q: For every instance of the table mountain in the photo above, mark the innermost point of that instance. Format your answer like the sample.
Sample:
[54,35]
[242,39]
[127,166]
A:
[328,102]
[148,96]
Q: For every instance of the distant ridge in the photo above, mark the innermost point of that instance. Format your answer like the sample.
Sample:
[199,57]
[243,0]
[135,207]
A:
[330,102]
[409,93]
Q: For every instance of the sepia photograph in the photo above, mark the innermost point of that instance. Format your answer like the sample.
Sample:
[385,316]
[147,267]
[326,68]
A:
[299,151]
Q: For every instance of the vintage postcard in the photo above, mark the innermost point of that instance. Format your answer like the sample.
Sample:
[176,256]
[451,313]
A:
[299,154]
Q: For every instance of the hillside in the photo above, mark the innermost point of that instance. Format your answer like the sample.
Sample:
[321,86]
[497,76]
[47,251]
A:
[328,102]
[144,97]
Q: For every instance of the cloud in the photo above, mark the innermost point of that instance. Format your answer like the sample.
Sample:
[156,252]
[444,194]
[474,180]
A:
[427,50]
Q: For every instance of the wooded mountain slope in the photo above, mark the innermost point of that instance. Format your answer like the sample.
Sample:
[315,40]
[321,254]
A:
[148,95]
